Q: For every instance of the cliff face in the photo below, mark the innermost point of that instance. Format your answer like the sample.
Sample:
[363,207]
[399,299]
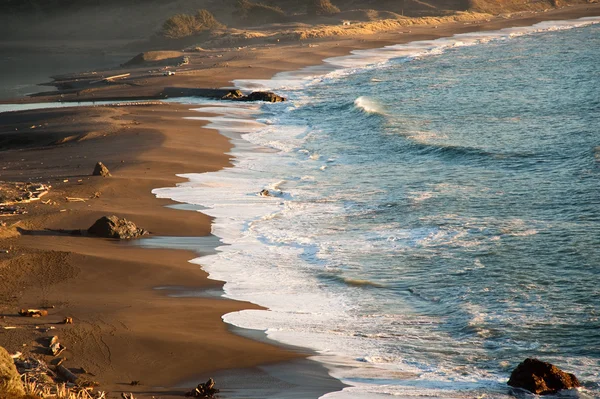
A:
[140,19]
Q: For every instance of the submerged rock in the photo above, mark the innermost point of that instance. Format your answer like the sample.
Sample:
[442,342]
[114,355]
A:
[541,378]
[115,227]
[101,170]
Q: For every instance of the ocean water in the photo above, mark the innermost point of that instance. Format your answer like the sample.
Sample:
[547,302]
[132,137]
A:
[435,211]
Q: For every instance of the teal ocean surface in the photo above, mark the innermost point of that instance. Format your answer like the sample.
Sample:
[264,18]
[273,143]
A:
[434,216]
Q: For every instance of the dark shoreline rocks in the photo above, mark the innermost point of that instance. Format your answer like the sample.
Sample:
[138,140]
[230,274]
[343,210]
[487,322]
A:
[115,227]
[541,378]
[267,96]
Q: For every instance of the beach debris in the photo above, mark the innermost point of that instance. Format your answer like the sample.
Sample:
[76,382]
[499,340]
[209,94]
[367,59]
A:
[265,193]
[74,199]
[39,377]
[66,374]
[60,361]
[101,170]
[10,380]
[13,193]
[206,390]
[33,312]
[16,355]
[45,328]
[541,378]
[54,347]
[11,210]
[110,79]
[115,227]
[134,383]
[267,96]
[127,395]
[68,320]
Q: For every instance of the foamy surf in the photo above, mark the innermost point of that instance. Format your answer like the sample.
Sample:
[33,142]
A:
[369,105]
[320,256]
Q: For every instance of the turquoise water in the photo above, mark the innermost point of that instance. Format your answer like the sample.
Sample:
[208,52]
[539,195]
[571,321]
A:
[435,217]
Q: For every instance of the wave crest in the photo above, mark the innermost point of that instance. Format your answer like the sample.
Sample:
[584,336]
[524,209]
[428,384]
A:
[369,105]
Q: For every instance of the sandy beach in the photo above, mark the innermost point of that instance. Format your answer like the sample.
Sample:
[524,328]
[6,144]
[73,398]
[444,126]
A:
[125,329]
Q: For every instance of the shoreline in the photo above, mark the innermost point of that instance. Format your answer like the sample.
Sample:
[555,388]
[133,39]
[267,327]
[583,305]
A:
[298,76]
[140,217]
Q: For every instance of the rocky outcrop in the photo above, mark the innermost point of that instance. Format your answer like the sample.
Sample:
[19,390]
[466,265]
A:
[101,170]
[233,95]
[115,227]
[266,96]
[541,378]
[10,380]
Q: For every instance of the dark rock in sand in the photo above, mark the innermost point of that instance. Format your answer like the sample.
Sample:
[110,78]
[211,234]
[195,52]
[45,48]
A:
[541,378]
[114,227]
[233,95]
[264,96]
[101,170]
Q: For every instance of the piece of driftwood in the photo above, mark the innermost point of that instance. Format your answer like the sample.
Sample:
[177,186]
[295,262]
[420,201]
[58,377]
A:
[68,320]
[204,391]
[56,348]
[33,312]
[109,79]
[74,199]
[66,374]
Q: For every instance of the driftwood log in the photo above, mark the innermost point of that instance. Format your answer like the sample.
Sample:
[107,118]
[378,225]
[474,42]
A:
[67,374]
[204,391]
[33,312]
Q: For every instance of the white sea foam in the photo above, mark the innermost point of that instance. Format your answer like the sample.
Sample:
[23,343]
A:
[369,105]
[277,257]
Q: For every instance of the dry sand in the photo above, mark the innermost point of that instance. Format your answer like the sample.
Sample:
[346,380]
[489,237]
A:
[124,328]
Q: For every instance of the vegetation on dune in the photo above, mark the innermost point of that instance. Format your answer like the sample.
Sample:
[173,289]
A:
[184,25]
[258,13]
[321,7]
[504,6]
[10,380]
